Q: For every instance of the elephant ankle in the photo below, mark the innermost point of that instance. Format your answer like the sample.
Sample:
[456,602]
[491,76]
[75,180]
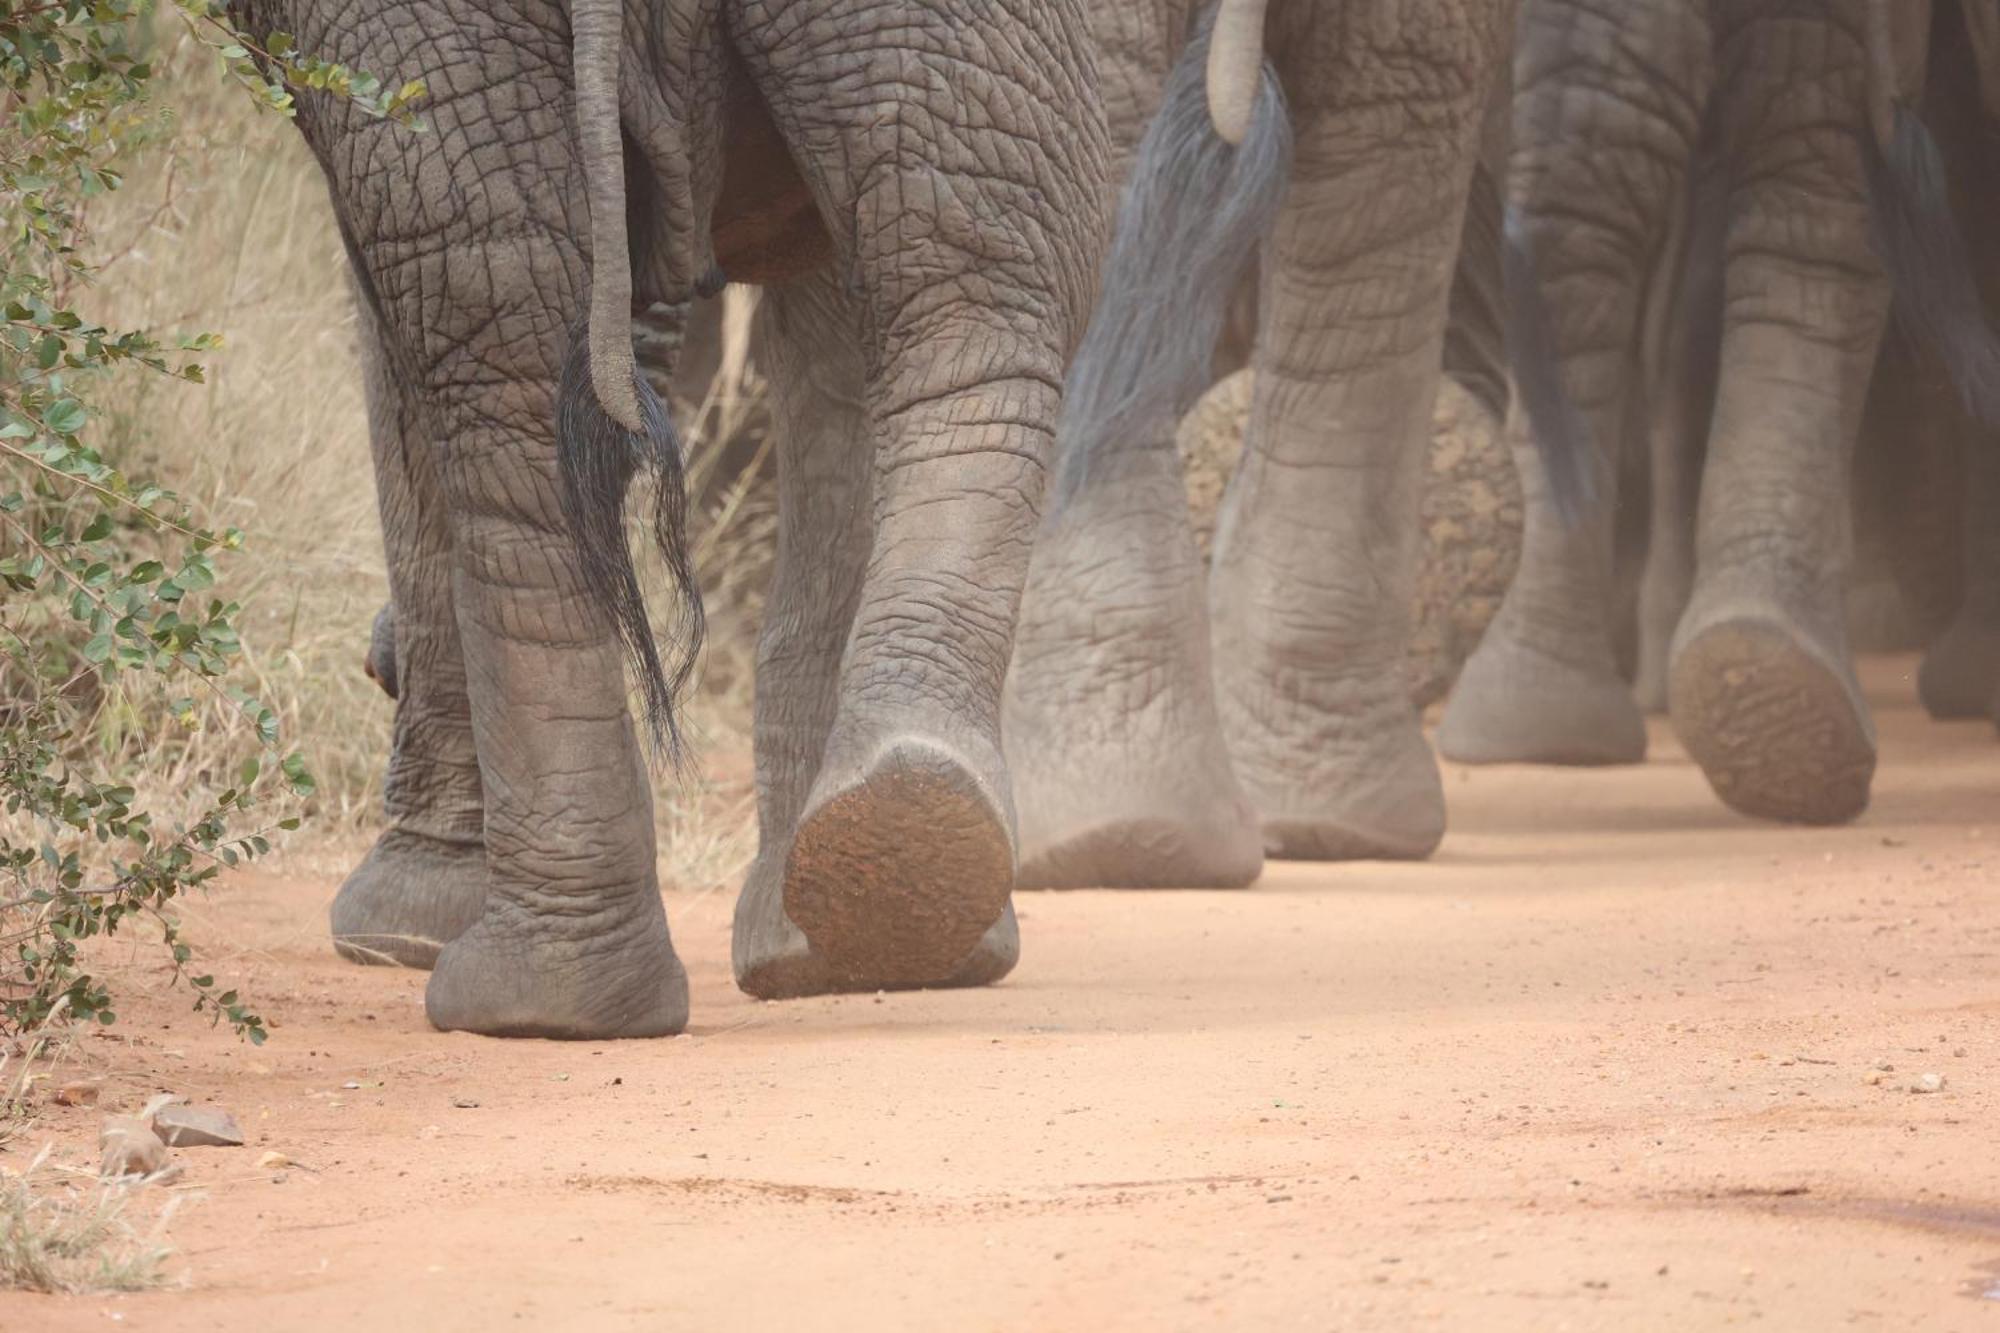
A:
[1513,705]
[411,895]
[510,975]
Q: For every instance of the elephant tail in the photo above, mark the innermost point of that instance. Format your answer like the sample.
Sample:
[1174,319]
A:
[1234,71]
[610,425]
[1193,218]
[1562,436]
[1917,234]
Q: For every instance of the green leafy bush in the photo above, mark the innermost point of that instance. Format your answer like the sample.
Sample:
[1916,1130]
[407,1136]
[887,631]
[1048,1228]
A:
[107,607]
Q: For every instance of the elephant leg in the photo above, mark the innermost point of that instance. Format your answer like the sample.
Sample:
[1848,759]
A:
[1680,352]
[424,880]
[1761,687]
[1316,547]
[1960,677]
[1667,580]
[1961,672]
[1600,166]
[805,339]
[1122,777]
[969,225]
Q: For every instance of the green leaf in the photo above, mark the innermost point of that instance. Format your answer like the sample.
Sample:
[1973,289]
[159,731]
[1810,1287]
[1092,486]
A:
[295,771]
[65,417]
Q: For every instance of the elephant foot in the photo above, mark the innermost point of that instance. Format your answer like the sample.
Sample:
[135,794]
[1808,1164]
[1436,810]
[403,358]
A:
[1960,677]
[1649,687]
[1777,724]
[1513,705]
[775,961]
[1378,799]
[509,975]
[1121,776]
[410,896]
[1125,791]
[897,871]
[1218,847]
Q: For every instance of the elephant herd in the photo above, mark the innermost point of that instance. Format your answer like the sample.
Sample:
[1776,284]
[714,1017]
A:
[992,656]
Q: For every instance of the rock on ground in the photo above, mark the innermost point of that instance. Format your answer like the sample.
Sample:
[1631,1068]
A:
[183,1126]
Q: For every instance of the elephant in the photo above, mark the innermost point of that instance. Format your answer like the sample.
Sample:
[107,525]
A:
[1709,201]
[920,188]
[1161,734]
[1137,46]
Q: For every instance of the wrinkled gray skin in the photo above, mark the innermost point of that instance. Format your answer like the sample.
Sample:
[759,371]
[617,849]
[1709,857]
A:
[1111,789]
[1166,734]
[1608,109]
[959,237]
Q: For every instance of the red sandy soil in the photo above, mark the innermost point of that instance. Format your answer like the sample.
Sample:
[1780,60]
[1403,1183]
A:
[1603,1063]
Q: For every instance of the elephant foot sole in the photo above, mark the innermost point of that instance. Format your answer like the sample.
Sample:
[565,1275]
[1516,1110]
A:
[1148,852]
[1960,677]
[498,981]
[1780,733]
[794,970]
[895,877]
[410,896]
[1516,706]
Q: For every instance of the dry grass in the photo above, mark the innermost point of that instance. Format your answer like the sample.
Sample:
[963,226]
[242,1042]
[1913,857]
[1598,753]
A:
[230,231]
[61,1229]
[65,1231]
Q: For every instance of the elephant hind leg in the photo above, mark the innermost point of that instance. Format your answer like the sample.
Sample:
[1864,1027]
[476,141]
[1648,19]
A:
[1121,774]
[1961,671]
[1761,686]
[424,881]
[805,339]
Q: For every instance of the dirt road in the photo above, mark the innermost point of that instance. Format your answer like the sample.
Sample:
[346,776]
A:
[1608,1061]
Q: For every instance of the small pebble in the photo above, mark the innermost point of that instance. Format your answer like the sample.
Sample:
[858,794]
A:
[81,1093]
[1928,1083]
[274,1160]
[131,1148]
[464,1103]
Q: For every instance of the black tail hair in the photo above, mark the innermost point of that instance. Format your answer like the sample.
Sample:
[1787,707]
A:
[596,460]
[1562,437]
[1917,236]
[1191,222]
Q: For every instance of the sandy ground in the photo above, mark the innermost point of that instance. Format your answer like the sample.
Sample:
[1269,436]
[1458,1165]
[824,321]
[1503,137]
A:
[1608,1061]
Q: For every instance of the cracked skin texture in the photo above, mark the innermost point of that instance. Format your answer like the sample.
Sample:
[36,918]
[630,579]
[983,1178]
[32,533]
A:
[956,158]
